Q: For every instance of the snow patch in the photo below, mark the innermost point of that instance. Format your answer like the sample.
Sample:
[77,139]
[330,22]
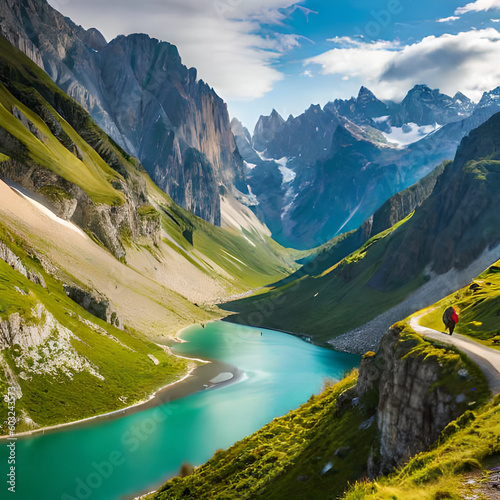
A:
[288,174]
[250,166]
[261,155]
[281,161]
[251,197]
[410,133]
[380,119]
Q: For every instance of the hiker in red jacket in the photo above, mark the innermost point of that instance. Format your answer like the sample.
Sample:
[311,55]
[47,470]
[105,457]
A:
[450,319]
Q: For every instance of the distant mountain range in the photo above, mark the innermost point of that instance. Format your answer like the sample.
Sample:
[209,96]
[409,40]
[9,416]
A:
[309,178]
[324,172]
[421,245]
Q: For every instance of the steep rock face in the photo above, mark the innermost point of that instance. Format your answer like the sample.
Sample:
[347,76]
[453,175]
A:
[9,257]
[94,303]
[414,405]
[104,221]
[140,93]
[177,125]
[402,204]
[425,106]
[265,129]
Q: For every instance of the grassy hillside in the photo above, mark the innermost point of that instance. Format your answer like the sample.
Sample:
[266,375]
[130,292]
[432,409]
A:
[340,296]
[479,306]
[90,172]
[96,369]
[287,457]
[458,466]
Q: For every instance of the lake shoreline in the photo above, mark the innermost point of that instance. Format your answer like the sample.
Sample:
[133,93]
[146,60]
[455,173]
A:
[198,378]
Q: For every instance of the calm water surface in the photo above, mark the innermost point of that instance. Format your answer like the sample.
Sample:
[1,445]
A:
[118,458]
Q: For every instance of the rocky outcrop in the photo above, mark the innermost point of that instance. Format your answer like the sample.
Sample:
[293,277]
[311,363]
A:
[410,383]
[94,303]
[42,346]
[20,41]
[70,202]
[8,256]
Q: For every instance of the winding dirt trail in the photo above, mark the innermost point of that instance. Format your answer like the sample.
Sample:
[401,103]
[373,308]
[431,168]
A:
[487,359]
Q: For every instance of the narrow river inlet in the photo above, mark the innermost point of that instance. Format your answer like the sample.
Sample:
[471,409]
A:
[126,456]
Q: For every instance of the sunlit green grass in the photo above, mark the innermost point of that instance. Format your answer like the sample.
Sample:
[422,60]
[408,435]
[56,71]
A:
[479,305]
[128,372]
[286,458]
[472,442]
[91,173]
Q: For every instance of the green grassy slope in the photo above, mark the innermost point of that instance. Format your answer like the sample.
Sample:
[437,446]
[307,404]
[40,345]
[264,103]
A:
[55,393]
[455,468]
[479,306]
[77,150]
[90,173]
[320,449]
[332,302]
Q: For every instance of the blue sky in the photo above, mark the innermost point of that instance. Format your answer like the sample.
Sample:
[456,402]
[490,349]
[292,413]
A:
[265,54]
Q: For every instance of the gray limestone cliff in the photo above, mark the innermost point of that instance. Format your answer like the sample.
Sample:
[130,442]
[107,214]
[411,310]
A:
[417,388]
[139,92]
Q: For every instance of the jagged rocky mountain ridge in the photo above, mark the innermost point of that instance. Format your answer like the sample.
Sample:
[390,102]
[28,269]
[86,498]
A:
[139,92]
[315,176]
[452,235]
[332,167]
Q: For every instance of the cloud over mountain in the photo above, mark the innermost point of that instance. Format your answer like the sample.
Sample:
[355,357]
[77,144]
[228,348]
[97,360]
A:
[465,61]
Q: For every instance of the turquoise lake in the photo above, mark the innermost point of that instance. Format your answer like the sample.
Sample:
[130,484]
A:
[115,459]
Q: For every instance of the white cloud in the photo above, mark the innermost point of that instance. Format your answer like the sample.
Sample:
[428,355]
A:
[448,19]
[478,6]
[467,62]
[307,73]
[223,39]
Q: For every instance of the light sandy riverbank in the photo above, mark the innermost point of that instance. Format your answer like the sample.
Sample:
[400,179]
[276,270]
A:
[204,376]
